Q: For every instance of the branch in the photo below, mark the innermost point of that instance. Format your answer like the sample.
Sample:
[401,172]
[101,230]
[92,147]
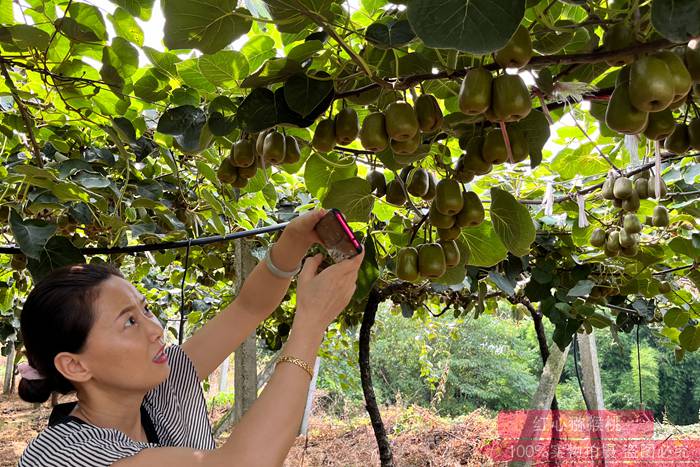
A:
[667,157]
[26,116]
[536,62]
[679,268]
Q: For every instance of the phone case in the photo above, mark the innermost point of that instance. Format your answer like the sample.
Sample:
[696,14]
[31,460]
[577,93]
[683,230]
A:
[337,237]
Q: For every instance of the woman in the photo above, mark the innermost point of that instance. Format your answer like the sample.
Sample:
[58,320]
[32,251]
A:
[88,330]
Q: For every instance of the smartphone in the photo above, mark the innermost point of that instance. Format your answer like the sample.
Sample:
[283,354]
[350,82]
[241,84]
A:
[337,237]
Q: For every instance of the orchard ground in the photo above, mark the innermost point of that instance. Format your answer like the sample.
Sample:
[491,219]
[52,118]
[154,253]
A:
[419,437]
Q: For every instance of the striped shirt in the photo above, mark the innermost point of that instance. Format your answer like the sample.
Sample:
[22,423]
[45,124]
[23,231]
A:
[173,414]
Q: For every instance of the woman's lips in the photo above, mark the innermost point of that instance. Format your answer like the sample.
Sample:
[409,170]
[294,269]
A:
[161,357]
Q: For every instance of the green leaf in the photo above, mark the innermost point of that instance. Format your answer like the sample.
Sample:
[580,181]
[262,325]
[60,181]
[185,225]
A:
[676,20]
[163,61]
[353,196]
[223,67]
[581,289]
[304,93]
[140,8]
[25,37]
[369,271]
[318,174]
[192,76]
[274,70]
[75,31]
[536,129]
[31,235]
[6,15]
[390,34]
[502,282]
[257,50]
[207,25]
[89,19]
[222,112]
[121,55]
[690,338]
[177,120]
[512,221]
[484,246]
[126,27]
[258,111]
[58,252]
[685,247]
[289,16]
[676,318]
[476,26]
[304,50]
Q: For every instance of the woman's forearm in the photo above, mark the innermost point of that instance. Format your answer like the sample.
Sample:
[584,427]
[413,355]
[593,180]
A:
[262,291]
[265,434]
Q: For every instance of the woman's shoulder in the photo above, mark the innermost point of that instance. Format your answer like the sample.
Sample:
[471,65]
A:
[76,444]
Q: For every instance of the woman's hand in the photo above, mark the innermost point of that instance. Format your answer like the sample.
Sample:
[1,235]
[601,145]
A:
[322,296]
[300,230]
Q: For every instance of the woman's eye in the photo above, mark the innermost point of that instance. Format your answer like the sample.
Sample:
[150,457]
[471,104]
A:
[130,322]
[146,311]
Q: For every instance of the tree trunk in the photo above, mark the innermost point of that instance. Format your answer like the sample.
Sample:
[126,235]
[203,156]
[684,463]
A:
[541,401]
[385,455]
[8,385]
[542,341]
[223,376]
[245,364]
[227,420]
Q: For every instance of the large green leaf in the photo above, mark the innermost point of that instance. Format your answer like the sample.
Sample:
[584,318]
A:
[207,25]
[684,246]
[142,9]
[512,222]
[223,67]
[89,18]
[274,70]
[369,271]
[258,112]
[353,196]
[163,61]
[476,26]
[258,49]
[304,93]
[6,16]
[676,20]
[31,235]
[536,128]
[690,338]
[389,34]
[125,26]
[484,246]
[319,172]
[292,15]
[58,252]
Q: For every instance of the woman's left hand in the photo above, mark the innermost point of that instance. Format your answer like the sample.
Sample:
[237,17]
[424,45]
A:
[301,229]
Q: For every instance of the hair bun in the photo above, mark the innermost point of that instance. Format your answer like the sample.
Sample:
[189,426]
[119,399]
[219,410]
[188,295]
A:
[35,390]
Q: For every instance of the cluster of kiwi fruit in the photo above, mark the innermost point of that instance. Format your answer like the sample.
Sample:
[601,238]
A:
[647,91]
[504,98]
[270,147]
[417,181]
[626,194]
[399,127]
[429,260]
[451,209]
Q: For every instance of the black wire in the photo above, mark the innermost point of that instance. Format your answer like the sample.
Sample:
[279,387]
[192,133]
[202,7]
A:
[13,250]
[182,293]
[639,369]
[578,377]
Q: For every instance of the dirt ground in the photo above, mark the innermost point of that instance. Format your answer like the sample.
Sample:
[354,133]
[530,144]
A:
[418,437]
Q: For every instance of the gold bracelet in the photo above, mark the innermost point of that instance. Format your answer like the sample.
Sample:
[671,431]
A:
[297,361]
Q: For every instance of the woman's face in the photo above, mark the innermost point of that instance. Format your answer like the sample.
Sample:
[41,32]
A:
[124,347]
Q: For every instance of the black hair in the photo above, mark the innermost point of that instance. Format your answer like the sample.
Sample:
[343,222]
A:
[57,317]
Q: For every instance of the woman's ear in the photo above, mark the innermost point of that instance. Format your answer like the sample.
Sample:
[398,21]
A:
[72,367]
